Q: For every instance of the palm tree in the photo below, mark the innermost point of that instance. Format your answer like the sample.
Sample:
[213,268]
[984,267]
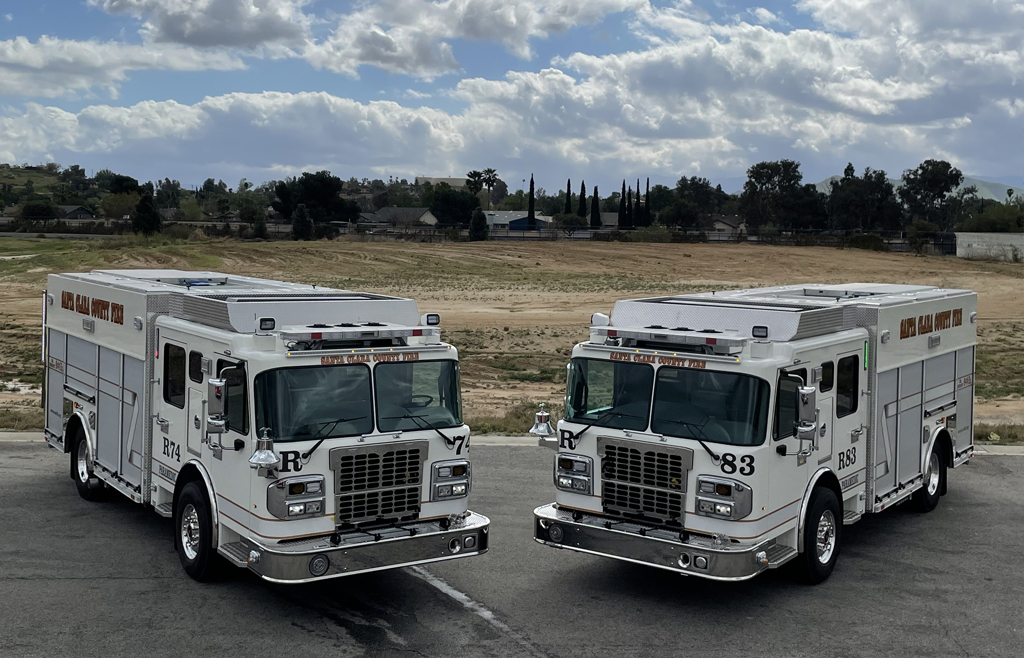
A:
[490,179]
[475,181]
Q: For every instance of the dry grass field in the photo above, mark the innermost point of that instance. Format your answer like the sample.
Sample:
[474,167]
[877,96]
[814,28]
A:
[513,309]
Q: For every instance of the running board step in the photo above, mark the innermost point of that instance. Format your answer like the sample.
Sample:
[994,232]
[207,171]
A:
[850,517]
[165,510]
[779,555]
[236,553]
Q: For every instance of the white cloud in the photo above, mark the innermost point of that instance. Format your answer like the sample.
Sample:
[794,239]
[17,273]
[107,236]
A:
[412,36]
[1014,107]
[53,67]
[765,17]
[9,17]
[213,23]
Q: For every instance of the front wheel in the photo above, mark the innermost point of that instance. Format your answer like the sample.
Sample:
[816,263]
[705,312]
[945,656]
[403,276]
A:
[89,487]
[927,497]
[193,533]
[822,531]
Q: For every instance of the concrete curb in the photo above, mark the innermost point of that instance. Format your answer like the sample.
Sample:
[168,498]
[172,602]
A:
[22,437]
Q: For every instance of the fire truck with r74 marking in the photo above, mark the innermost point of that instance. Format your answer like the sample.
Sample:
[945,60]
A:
[722,434]
[301,432]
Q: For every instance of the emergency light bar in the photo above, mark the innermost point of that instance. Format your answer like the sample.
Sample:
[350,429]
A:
[720,344]
[328,332]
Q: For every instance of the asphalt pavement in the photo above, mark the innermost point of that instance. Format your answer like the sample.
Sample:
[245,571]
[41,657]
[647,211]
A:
[102,579]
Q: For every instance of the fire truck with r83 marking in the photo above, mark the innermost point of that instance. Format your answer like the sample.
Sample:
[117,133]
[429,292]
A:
[722,434]
[301,432]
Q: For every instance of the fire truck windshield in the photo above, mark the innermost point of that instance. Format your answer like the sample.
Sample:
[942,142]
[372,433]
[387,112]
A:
[418,395]
[314,402]
[718,407]
[609,393]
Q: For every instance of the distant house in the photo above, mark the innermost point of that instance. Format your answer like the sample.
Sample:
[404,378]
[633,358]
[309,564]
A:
[457,183]
[394,216]
[171,214]
[609,219]
[728,224]
[522,222]
[77,212]
[229,216]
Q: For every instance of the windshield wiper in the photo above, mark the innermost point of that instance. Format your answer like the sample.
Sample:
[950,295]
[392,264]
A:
[328,425]
[576,436]
[420,419]
[714,458]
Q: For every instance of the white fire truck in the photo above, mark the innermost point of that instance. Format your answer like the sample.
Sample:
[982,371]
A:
[302,432]
[722,434]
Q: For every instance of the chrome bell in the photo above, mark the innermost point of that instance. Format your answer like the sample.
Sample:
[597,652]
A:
[264,459]
[542,423]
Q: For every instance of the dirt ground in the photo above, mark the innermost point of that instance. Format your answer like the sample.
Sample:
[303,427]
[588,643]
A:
[514,309]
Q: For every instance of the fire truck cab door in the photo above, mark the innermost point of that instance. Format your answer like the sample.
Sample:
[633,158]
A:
[170,405]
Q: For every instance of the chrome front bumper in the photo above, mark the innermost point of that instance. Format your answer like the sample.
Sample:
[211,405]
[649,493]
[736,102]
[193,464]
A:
[405,545]
[655,547]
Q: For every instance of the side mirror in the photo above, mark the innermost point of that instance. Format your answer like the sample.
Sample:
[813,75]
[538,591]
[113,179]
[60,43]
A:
[807,404]
[216,395]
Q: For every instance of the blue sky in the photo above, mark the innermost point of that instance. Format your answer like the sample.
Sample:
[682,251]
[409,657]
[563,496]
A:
[600,90]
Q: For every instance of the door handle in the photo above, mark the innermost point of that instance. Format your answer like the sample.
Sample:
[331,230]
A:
[856,433]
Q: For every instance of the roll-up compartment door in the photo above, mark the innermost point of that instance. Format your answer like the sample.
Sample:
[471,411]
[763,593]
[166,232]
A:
[56,360]
[908,450]
[964,435]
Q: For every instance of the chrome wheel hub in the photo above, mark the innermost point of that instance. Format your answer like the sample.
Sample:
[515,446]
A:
[83,461]
[190,532]
[931,476]
[826,542]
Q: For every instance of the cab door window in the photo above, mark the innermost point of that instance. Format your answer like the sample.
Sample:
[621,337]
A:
[237,401]
[847,385]
[785,403]
[174,375]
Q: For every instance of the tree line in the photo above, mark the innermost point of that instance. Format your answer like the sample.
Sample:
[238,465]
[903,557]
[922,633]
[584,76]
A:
[930,198]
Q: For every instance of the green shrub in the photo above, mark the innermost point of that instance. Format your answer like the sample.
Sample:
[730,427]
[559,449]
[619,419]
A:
[869,241]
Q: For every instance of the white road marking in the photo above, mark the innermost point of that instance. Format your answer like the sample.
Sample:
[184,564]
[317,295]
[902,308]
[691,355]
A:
[477,609]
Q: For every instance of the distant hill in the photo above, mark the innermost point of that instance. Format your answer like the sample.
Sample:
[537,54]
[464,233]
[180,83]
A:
[986,189]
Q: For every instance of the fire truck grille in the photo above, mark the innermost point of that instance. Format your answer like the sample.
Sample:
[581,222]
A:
[644,466]
[644,481]
[642,502]
[378,483]
[390,504]
[379,470]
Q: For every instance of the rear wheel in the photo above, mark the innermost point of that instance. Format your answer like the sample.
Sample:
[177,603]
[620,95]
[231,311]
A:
[193,533]
[822,531]
[927,497]
[89,487]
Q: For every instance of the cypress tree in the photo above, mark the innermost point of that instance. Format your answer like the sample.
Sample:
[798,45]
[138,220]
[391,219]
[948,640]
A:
[147,219]
[647,203]
[531,218]
[629,208]
[595,210]
[478,229]
[582,211]
[638,213]
[622,206]
[302,225]
[568,197]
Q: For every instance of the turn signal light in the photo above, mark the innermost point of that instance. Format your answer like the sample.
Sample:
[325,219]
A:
[723,489]
[296,488]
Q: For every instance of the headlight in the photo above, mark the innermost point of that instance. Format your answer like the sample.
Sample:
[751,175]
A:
[450,479]
[297,498]
[573,473]
[722,498]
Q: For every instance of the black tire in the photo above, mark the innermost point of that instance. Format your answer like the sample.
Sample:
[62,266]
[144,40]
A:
[192,520]
[89,487]
[927,497]
[826,516]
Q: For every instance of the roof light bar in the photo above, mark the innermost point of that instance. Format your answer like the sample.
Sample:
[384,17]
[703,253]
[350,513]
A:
[288,335]
[721,344]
